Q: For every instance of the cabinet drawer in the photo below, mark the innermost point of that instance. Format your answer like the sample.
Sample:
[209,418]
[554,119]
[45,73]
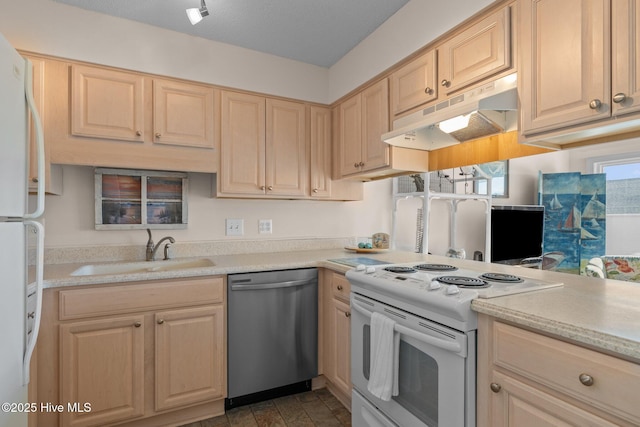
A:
[93,302]
[567,368]
[341,287]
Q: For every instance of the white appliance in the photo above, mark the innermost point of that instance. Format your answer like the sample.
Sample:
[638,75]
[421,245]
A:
[436,330]
[20,297]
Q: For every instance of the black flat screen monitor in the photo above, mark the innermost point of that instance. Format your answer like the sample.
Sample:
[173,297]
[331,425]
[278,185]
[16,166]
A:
[516,233]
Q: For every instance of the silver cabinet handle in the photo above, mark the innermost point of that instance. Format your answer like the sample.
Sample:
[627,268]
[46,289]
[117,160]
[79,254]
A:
[586,379]
[428,90]
[137,324]
[160,321]
[619,97]
[445,83]
[495,387]
[595,104]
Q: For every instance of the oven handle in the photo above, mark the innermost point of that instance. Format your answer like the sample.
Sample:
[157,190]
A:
[427,339]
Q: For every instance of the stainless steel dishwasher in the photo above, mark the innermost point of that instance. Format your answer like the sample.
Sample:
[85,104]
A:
[272,334]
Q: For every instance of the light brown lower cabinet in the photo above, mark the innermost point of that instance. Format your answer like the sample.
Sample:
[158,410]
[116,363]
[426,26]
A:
[337,335]
[530,380]
[137,354]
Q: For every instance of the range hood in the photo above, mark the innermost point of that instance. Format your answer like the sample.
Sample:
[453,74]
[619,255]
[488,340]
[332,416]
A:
[486,110]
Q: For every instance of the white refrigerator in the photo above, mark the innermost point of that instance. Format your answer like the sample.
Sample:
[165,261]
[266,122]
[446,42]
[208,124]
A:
[20,279]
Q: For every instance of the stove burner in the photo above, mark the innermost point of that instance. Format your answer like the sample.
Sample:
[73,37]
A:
[400,269]
[463,281]
[436,267]
[501,277]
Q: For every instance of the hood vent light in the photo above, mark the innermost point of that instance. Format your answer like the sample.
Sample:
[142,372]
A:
[484,111]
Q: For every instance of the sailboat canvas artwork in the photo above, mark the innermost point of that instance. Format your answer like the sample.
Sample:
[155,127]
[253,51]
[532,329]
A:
[575,219]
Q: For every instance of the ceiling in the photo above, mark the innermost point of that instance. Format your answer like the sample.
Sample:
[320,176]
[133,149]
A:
[317,32]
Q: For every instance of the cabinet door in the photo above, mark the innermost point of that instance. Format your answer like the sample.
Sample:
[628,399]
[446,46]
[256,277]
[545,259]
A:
[625,18]
[242,147]
[475,54]
[414,84]
[190,353]
[320,147]
[350,135]
[287,172]
[339,363]
[52,173]
[107,104]
[518,405]
[375,122]
[102,363]
[564,75]
[183,114]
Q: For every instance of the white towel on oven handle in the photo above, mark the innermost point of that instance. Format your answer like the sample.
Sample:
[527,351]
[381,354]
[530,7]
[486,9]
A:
[385,342]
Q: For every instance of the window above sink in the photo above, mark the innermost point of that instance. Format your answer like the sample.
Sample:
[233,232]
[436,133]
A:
[135,199]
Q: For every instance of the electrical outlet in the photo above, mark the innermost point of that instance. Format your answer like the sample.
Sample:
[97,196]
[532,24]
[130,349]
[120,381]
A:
[234,227]
[265,226]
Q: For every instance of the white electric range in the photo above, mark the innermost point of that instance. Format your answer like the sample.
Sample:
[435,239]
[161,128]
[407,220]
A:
[430,305]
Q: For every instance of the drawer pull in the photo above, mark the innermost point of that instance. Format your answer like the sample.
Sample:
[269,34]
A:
[495,387]
[347,314]
[586,379]
[137,324]
[339,287]
[160,321]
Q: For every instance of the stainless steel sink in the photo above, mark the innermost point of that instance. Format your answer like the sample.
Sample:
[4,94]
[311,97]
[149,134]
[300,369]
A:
[142,267]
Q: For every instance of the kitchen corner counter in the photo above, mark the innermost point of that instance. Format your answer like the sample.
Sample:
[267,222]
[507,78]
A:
[59,275]
[596,313]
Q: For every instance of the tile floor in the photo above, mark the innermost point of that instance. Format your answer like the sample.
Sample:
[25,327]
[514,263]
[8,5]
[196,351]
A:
[314,408]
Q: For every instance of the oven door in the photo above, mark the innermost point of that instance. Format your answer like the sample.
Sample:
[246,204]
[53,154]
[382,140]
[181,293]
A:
[436,374]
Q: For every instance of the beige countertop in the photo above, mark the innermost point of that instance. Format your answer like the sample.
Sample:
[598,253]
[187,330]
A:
[601,314]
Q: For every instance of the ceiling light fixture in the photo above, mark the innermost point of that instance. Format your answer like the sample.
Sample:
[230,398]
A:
[195,15]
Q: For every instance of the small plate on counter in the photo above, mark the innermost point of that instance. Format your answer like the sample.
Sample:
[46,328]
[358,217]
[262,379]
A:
[365,250]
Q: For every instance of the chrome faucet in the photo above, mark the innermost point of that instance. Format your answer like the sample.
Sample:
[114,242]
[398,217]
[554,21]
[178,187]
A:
[152,249]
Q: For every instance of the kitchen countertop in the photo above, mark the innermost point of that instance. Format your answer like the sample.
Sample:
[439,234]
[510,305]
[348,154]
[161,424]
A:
[597,313]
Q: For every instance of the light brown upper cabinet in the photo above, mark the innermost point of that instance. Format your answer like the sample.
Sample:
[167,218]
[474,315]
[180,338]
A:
[580,67]
[111,104]
[320,143]
[625,38]
[107,104]
[480,51]
[264,147]
[52,173]
[414,84]
[182,114]
[477,53]
[363,119]
[360,153]
[100,116]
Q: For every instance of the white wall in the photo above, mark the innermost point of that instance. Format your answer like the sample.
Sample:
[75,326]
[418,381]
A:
[69,219]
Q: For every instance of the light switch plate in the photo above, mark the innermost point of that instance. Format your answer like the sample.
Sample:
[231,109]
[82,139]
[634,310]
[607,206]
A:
[234,227]
[265,226]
